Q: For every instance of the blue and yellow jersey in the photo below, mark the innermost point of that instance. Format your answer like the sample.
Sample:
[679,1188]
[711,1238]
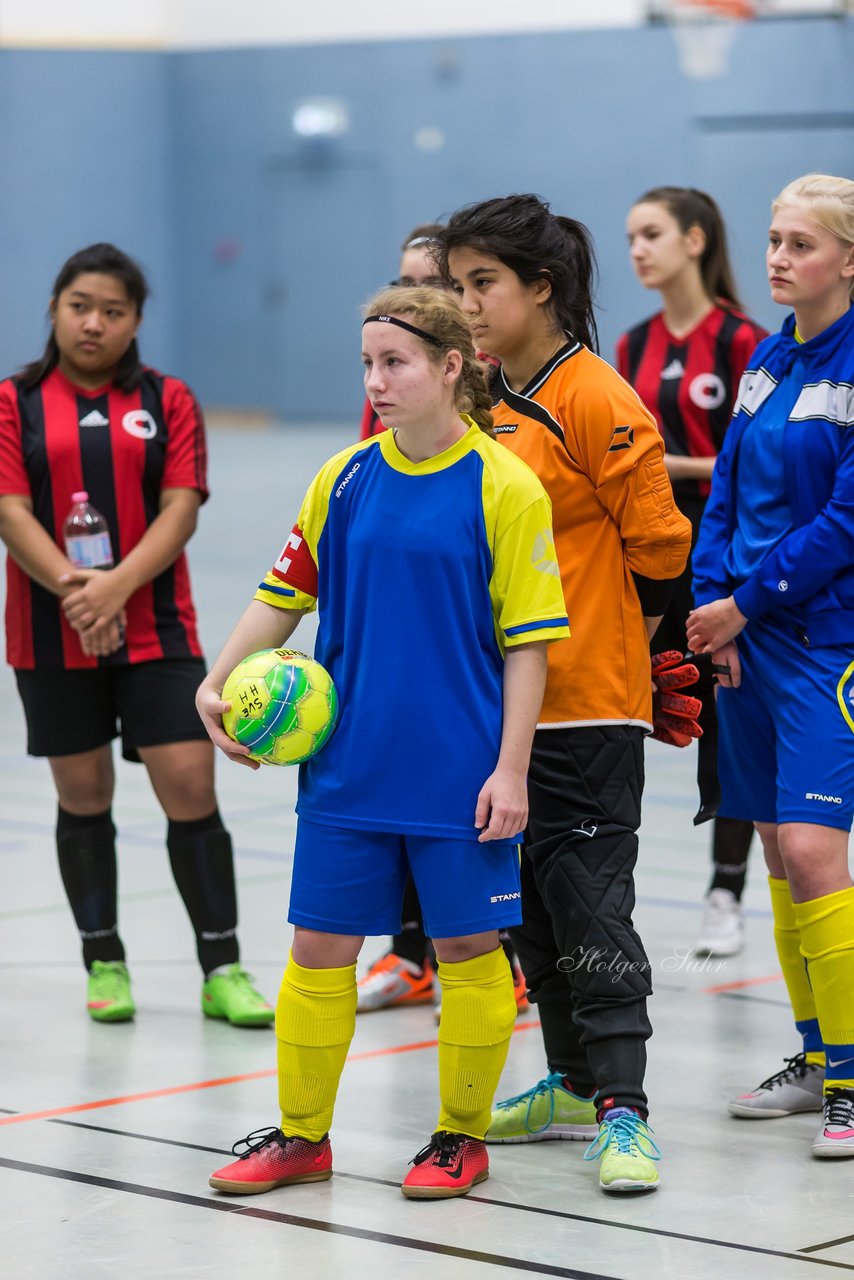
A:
[424,574]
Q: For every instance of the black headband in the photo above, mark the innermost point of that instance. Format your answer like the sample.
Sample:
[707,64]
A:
[402,324]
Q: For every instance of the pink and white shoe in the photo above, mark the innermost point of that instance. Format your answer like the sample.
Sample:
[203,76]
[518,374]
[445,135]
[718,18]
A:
[835,1138]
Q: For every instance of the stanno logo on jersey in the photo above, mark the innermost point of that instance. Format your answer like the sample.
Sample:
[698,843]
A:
[349,476]
[672,371]
[816,795]
[543,554]
[505,428]
[623,438]
[707,391]
[505,897]
[94,419]
[139,423]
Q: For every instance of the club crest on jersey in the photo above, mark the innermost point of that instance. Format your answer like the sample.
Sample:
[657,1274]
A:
[707,391]
[139,423]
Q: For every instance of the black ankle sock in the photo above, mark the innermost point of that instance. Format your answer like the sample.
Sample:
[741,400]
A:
[509,949]
[86,847]
[731,839]
[411,943]
[203,866]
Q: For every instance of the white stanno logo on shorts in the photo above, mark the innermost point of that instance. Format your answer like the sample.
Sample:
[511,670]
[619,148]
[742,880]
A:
[505,897]
[139,423]
[816,795]
[349,476]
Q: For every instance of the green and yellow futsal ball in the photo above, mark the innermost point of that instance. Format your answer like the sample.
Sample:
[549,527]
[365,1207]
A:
[283,706]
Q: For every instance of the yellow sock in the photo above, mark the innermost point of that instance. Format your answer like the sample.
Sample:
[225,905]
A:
[827,944]
[478,1013]
[787,936]
[315,1021]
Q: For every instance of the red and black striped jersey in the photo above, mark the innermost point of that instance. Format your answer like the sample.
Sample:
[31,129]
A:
[370,424]
[690,384]
[124,449]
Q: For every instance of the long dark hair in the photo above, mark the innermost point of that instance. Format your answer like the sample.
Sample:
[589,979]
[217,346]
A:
[523,233]
[107,260]
[693,208]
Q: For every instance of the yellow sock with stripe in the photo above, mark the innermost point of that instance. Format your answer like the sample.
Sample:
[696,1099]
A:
[827,944]
[315,1021]
[478,1014]
[787,936]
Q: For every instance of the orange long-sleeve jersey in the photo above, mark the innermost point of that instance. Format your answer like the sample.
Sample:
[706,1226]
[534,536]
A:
[618,533]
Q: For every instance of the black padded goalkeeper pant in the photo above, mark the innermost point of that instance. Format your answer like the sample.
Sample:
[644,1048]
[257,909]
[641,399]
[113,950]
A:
[584,963]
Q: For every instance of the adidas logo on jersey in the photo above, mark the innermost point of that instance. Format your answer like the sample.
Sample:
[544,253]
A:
[675,369]
[94,419]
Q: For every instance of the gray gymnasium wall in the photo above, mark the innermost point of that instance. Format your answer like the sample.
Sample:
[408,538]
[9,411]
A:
[261,245]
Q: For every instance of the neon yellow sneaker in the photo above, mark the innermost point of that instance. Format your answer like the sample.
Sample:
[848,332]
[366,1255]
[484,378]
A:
[108,997]
[548,1111]
[627,1152]
[228,993]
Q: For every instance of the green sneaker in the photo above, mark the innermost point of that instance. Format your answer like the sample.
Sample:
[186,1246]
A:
[628,1152]
[108,997]
[228,993]
[548,1111]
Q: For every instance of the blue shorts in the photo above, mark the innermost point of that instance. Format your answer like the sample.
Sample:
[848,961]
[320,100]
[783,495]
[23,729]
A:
[786,735]
[352,882]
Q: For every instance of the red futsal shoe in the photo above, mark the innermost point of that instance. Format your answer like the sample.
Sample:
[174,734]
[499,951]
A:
[449,1165]
[271,1159]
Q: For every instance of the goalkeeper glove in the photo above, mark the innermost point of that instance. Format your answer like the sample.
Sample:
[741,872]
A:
[674,715]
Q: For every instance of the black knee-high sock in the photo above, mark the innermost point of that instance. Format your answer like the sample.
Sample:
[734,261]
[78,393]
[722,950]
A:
[203,866]
[412,943]
[730,844]
[86,845]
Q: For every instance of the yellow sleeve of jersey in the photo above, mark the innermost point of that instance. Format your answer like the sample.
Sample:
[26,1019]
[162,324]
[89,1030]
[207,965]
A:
[292,582]
[525,587]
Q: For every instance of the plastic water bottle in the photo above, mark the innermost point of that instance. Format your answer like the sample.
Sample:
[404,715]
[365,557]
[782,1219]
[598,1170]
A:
[87,535]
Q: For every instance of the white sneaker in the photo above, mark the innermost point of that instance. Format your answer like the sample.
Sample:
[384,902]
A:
[798,1087]
[722,928]
[835,1138]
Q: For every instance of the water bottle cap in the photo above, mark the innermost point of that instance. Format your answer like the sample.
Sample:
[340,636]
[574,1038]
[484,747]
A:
[82,496]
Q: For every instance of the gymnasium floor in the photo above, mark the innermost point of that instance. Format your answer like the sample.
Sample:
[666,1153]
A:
[108,1133]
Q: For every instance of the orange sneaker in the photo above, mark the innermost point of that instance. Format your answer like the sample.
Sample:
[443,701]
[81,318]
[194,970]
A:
[449,1165]
[392,982]
[520,990]
[271,1159]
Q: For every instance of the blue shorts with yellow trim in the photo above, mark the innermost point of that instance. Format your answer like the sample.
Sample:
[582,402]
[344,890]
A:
[352,882]
[786,735]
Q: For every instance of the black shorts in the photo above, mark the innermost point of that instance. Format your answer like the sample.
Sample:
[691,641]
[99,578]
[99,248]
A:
[147,703]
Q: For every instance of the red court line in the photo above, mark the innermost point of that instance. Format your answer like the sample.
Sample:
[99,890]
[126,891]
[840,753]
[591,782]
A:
[215,1084]
[745,982]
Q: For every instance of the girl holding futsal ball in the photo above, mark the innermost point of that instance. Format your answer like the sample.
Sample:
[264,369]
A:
[98,652]
[774,584]
[525,278]
[428,551]
[685,364]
